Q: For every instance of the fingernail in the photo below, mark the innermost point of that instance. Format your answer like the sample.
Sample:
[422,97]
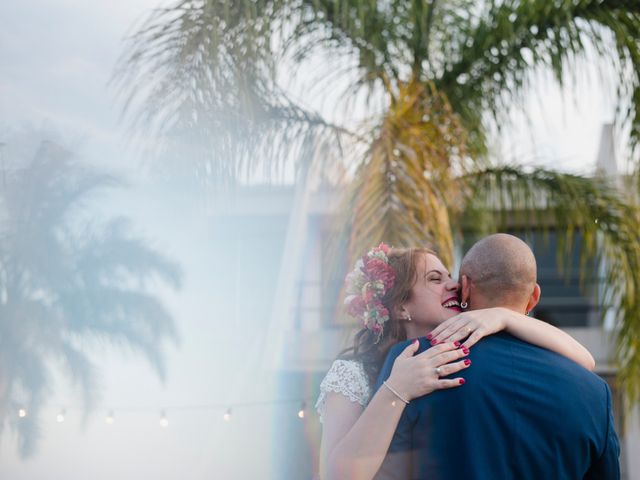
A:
[416,341]
[434,342]
[457,344]
[461,381]
[429,337]
[467,362]
[465,350]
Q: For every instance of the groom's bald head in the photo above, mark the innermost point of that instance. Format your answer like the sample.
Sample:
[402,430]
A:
[501,271]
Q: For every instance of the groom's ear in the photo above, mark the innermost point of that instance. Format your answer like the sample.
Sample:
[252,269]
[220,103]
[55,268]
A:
[534,298]
[465,288]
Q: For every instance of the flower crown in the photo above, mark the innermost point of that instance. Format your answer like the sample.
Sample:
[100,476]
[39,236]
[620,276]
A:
[366,285]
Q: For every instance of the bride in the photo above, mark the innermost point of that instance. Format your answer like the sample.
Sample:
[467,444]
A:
[398,294]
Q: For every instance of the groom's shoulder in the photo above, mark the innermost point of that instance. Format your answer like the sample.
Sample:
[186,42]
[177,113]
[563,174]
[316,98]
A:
[399,347]
[535,357]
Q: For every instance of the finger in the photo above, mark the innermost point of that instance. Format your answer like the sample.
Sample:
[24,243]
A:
[451,368]
[438,349]
[474,338]
[449,383]
[448,357]
[410,349]
[436,331]
[447,334]
[463,334]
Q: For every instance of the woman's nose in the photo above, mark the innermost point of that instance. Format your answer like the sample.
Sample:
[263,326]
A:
[453,285]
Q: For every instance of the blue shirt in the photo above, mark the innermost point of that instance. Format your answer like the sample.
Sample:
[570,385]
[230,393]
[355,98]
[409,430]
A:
[523,413]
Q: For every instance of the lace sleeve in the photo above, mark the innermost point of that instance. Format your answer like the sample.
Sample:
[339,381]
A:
[346,377]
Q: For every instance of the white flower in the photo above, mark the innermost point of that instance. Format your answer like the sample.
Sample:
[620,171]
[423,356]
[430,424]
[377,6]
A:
[349,299]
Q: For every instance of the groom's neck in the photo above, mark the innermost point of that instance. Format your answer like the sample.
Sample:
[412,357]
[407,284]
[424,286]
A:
[481,302]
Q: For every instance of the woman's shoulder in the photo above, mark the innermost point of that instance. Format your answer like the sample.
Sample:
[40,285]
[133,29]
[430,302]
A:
[347,378]
[346,374]
[346,365]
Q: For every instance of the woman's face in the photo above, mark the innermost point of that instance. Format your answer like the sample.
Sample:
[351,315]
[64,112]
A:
[434,297]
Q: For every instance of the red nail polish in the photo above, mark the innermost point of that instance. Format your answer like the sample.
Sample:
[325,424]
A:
[457,344]
[416,341]
[465,351]
[429,337]
[461,381]
[467,362]
[434,342]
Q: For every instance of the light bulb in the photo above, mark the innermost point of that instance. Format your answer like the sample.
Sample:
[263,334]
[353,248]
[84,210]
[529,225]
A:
[164,422]
[227,415]
[109,419]
[22,413]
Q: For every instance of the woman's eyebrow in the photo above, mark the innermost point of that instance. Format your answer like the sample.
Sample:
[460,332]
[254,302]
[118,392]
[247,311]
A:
[439,271]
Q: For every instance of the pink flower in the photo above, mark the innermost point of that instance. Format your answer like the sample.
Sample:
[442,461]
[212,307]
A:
[368,294]
[356,307]
[377,269]
[367,283]
[383,247]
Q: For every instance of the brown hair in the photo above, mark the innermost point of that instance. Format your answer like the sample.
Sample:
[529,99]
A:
[366,348]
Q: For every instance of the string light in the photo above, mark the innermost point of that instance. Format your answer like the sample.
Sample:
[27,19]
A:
[22,413]
[109,419]
[164,422]
[227,415]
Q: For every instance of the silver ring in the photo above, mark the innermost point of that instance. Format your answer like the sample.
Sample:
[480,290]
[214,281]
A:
[438,371]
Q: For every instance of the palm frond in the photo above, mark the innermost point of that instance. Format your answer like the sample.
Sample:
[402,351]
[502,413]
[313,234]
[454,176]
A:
[372,31]
[199,78]
[406,190]
[66,283]
[491,67]
[608,225]
[112,253]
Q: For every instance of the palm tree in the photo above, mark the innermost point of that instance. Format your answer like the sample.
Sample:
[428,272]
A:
[67,285]
[434,78]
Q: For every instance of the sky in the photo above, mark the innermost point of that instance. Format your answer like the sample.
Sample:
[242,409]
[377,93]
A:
[56,59]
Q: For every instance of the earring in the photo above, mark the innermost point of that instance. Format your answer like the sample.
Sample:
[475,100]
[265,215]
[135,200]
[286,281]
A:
[408,317]
[464,305]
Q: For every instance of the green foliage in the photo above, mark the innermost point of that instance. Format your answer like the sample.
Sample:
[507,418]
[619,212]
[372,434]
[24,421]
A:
[608,221]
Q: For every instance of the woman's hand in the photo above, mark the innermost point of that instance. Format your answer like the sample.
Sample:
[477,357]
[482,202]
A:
[415,376]
[471,326]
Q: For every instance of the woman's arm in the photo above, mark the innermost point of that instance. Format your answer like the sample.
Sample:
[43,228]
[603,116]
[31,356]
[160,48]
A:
[547,336]
[355,440]
[476,324]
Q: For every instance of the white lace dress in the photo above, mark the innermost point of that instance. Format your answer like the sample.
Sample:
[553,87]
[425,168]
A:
[348,378]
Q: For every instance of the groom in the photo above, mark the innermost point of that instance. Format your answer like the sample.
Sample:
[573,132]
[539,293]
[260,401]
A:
[523,413]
